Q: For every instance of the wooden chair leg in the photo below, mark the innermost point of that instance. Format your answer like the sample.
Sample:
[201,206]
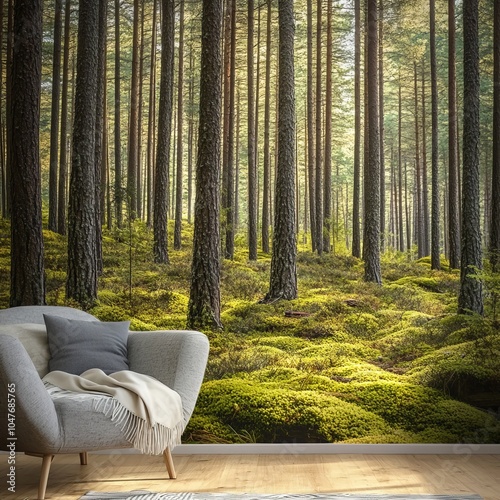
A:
[83,458]
[44,475]
[167,456]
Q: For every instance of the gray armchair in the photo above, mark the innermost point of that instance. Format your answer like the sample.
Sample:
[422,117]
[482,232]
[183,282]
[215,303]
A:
[44,427]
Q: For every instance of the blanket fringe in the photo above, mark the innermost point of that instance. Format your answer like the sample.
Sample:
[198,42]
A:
[151,440]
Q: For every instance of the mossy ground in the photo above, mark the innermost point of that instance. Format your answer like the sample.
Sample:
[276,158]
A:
[370,364]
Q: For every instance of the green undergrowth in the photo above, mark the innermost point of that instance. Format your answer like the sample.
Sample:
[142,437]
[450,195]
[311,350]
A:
[361,363]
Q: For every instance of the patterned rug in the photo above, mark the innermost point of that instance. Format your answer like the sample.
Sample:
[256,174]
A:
[147,495]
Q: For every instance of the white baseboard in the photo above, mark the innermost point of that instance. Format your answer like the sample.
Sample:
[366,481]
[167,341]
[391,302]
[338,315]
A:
[328,449]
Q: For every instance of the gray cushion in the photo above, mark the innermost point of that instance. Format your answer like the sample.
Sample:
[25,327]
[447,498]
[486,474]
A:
[76,346]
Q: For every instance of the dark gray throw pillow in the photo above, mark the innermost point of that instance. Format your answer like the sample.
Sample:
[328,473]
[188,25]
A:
[76,346]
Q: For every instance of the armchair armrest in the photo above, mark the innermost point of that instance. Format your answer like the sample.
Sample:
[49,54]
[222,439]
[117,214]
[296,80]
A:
[176,358]
[36,422]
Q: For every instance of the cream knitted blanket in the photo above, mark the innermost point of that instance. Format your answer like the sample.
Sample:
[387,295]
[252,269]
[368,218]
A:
[148,412]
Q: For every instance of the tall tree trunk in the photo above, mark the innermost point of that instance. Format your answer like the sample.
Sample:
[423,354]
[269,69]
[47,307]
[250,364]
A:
[267,133]
[319,152]
[190,134]
[27,280]
[151,119]
[252,168]
[63,158]
[453,182]
[494,242]
[99,126]
[356,233]
[407,212]
[425,184]
[237,168]
[139,180]
[161,193]
[470,299]
[283,280]
[257,107]
[81,285]
[132,166]
[372,195]
[204,299]
[8,105]
[3,180]
[400,170]
[435,246]
[118,139]
[54,116]
[327,198]
[230,156]
[310,127]
[419,222]
[381,118]
[180,135]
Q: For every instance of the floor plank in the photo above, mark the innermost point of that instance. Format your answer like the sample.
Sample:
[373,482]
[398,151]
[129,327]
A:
[403,474]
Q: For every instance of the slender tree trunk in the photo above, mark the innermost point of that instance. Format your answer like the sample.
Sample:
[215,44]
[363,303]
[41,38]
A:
[63,158]
[310,127]
[27,285]
[204,300]
[118,140]
[54,116]
[132,166]
[407,213]
[257,107]
[453,182]
[381,117]
[327,198]
[3,180]
[470,299]
[283,280]
[139,174]
[161,193]
[319,152]
[356,234]
[400,170]
[494,242]
[81,285]
[99,127]
[252,168]
[230,155]
[180,135]
[151,119]
[372,196]
[267,133]
[419,224]
[435,245]
[190,136]
[425,184]
[237,168]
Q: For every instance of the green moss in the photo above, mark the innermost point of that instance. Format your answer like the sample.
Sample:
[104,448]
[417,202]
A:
[362,325]
[279,415]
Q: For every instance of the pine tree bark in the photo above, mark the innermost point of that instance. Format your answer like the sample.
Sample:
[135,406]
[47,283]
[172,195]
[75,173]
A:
[327,195]
[435,236]
[118,140]
[319,123]
[3,183]
[425,184]
[470,299]
[400,168]
[54,116]
[310,127]
[381,118]
[204,299]
[139,179]
[190,133]
[453,174]
[356,231]
[283,280]
[27,285]
[252,168]
[180,135]
[132,166]
[8,105]
[63,157]
[494,242]
[267,133]
[81,284]
[419,220]
[372,196]
[161,193]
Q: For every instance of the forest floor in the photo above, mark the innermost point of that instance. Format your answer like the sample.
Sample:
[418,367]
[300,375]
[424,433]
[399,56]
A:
[364,364]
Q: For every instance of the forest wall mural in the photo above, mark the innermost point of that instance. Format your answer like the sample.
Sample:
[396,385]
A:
[315,184]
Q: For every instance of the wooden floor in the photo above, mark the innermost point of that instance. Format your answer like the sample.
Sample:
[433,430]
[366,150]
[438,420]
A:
[444,474]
